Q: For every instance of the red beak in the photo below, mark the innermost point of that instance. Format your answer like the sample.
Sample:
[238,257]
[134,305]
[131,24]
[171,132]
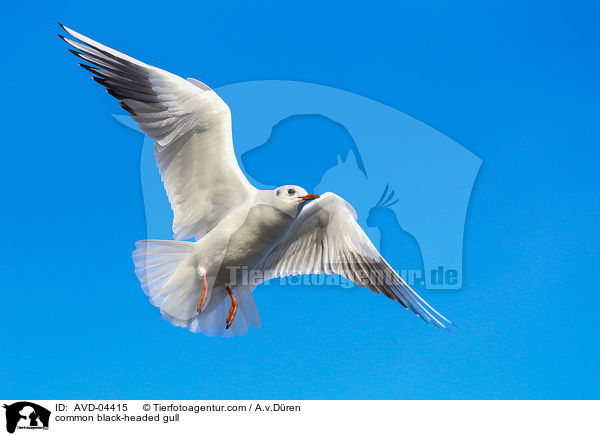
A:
[309,197]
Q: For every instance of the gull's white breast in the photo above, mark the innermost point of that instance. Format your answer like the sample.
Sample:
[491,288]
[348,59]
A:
[241,240]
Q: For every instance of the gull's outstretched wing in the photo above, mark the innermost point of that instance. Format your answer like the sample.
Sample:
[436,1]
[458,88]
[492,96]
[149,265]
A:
[327,239]
[192,129]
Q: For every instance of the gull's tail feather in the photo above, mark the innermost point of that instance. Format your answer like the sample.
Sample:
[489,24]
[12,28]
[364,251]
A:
[169,278]
[211,322]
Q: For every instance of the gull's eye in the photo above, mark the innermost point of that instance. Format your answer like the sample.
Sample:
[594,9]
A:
[291,191]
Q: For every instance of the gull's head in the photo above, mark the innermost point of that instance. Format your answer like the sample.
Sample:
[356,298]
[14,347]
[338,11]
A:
[291,198]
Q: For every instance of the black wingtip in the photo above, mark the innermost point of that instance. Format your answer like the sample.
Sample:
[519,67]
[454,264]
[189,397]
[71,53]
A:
[127,108]
[100,81]
[76,53]
[113,93]
[87,67]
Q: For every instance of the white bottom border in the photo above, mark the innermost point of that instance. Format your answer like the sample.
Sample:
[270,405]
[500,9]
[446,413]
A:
[267,417]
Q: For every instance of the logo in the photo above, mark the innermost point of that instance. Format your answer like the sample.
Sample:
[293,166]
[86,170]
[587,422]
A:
[409,183]
[26,415]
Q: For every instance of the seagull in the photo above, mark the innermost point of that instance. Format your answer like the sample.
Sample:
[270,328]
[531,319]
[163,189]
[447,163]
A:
[242,236]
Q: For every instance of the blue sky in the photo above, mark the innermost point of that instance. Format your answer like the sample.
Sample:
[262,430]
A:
[515,84]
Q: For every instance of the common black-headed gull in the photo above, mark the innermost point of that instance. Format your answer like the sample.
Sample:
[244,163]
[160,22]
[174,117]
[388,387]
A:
[243,235]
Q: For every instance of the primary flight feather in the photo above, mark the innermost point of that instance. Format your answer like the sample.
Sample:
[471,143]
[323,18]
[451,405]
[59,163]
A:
[243,235]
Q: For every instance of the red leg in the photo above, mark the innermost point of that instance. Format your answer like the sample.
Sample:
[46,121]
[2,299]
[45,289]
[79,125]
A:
[202,299]
[234,305]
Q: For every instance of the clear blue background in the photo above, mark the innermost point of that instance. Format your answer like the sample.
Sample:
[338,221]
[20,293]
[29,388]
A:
[516,84]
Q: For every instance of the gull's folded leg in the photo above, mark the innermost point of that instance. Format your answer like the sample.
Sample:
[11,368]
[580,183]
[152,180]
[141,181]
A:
[233,309]
[202,295]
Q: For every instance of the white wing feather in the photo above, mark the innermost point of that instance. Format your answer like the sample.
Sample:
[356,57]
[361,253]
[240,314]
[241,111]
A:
[192,129]
[326,238]
[194,151]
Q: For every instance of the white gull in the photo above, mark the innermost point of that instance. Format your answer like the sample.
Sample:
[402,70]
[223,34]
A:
[243,235]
